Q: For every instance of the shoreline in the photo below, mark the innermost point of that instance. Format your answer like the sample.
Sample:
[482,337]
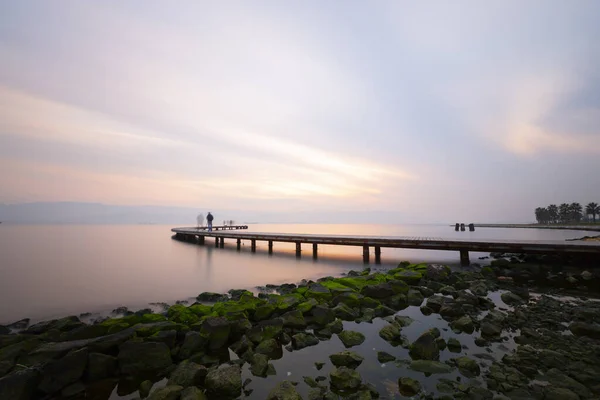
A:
[591,228]
[414,329]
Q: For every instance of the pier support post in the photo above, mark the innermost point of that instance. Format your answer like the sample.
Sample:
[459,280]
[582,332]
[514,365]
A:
[457,227]
[377,255]
[298,249]
[253,245]
[366,254]
[471,227]
[270,247]
[464,258]
[462,227]
[222,242]
[239,244]
[200,239]
[216,242]
[315,251]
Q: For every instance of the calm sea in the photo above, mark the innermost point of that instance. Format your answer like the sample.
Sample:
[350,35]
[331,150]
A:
[57,270]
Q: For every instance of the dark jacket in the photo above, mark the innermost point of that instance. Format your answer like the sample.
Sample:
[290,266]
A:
[209,217]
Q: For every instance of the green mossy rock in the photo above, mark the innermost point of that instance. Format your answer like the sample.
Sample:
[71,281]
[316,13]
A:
[217,329]
[188,373]
[351,338]
[468,367]
[391,334]
[269,329]
[166,393]
[201,310]
[463,324]
[193,393]
[224,382]
[100,366]
[270,348]
[430,367]
[302,340]
[194,342]
[410,277]
[344,378]
[408,386]
[345,313]
[293,319]
[147,330]
[139,357]
[285,390]
[322,315]
[181,314]
[145,388]
[384,357]
[346,358]
[306,306]
[264,312]
[425,347]
[351,299]
[454,345]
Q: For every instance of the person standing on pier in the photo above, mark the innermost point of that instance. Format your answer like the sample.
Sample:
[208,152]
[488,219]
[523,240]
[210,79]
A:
[209,220]
[200,220]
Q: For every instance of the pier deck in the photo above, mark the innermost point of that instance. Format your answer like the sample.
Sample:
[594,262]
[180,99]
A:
[463,246]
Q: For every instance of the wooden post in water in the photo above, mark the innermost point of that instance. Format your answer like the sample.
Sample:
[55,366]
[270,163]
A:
[315,254]
[200,239]
[298,249]
[216,242]
[464,258]
[270,247]
[222,242]
[377,255]
[471,227]
[239,244]
[457,227]
[253,245]
[462,227]
[366,254]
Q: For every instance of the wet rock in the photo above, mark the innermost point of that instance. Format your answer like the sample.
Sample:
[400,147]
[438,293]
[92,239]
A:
[84,332]
[319,365]
[269,329]
[187,374]
[408,386]
[302,340]
[10,354]
[19,325]
[259,365]
[553,393]
[586,275]
[139,357]
[430,367]
[435,302]
[19,385]
[511,299]
[310,381]
[75,390]
[425,347]
[479,288]
[441,343]
[101,366]
[379,291]
[583,329]
[448,291]
[454,345]
[293,319]
[490,329]
[468,367]
[344,312]
[384,357]
[224,382]
[145,388]
[212,297]
[193,393]
[560,380]
[167,337]
[426,310]
[351,299]
[217,329]
[463,324]
[336,326]
[307,305]
[269,347]
[284,391]
[397,302]
[166,393]
[414,297]
[241,346]
[450,311]
[410,277]
[343,378]
[346,359]
[437,272]
[4,330]
[63,324]
[318,292]
[193,343]
[322,315]
[351,338]
[60,373]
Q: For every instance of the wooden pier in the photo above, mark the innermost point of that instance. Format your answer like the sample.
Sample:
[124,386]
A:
[194,235]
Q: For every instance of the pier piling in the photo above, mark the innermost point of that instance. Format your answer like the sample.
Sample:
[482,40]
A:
[464,258]
[366,254]
[377,255]
[270,247]
[253,245]
[298,249]
[315,254]
[239,244]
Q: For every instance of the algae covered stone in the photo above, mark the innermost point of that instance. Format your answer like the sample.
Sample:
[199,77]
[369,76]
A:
[284,391]
[217,329]
[182,314]
[344,378]
[468,367]
[224,382]
[430,367]
[166,393]
[425,347]
[384,357]
[346,359]
[408,386]
[511,299]
[139,357]
[454,345]
[463,324]
[351,338]
[187,374]
[302,340]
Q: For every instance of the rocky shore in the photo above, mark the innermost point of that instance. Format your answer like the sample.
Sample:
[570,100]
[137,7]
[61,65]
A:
[419,330]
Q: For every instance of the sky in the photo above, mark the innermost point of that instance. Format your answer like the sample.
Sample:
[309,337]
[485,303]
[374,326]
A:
[432,111]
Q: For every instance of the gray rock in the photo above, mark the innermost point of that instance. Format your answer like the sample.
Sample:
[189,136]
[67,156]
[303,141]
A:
[101,366]
[435,302]
[437,272]
[430,367]
[448,291]
[414,297]
[351,338]
[408,386]
[468,367]
[490,330]
[194,342]
[454,345]
[19,325]
[139,357]
[259,365]
[583,329]
[63,324]
[554,393]
[384,357]
[166,393]
[463,324]
[452,310]
[425,347]
[212,297]
[284,391]
[559,379]
[269,347]
[379,291]
[19,385]
[511,299]
[346,359]
[479,288]
[193,393]
[293,319]
[145,388]
[343,378]
[167,337]
[322,315]
[224,382]
[187,374]
[344,312]
[60,373]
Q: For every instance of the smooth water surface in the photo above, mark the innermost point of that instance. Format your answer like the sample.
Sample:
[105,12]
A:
[57,270]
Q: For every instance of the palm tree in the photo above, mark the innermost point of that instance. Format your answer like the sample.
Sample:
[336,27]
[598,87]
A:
[592,209]
[563,212]
[553,213]
[575,211]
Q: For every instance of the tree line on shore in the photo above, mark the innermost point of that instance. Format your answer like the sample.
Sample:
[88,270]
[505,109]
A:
[566,213]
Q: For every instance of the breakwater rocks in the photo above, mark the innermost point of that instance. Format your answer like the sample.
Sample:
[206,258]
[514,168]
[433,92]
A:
[417,330]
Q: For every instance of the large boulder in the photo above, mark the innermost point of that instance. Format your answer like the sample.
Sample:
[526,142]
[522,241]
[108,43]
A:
[302,340]
[318,292]
[139,357]
[293,319]
[463,324]
[167,393]
[410,277]
[351,338]
[212,297]
[344,378]
[425,347]
[583,329]
[217,329]
[345,313]
[414,297]
[259,365]
[437,272]
[187,374]
[193,343]
[60,373]
[270,348]
[346,359]
[452,310]
[19,385]
[63,324]
[436,302]
[224,382]
[101,366]
[269,329]
[284,391]
[322,315]
[10,354]
[468,367]
[379,291]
